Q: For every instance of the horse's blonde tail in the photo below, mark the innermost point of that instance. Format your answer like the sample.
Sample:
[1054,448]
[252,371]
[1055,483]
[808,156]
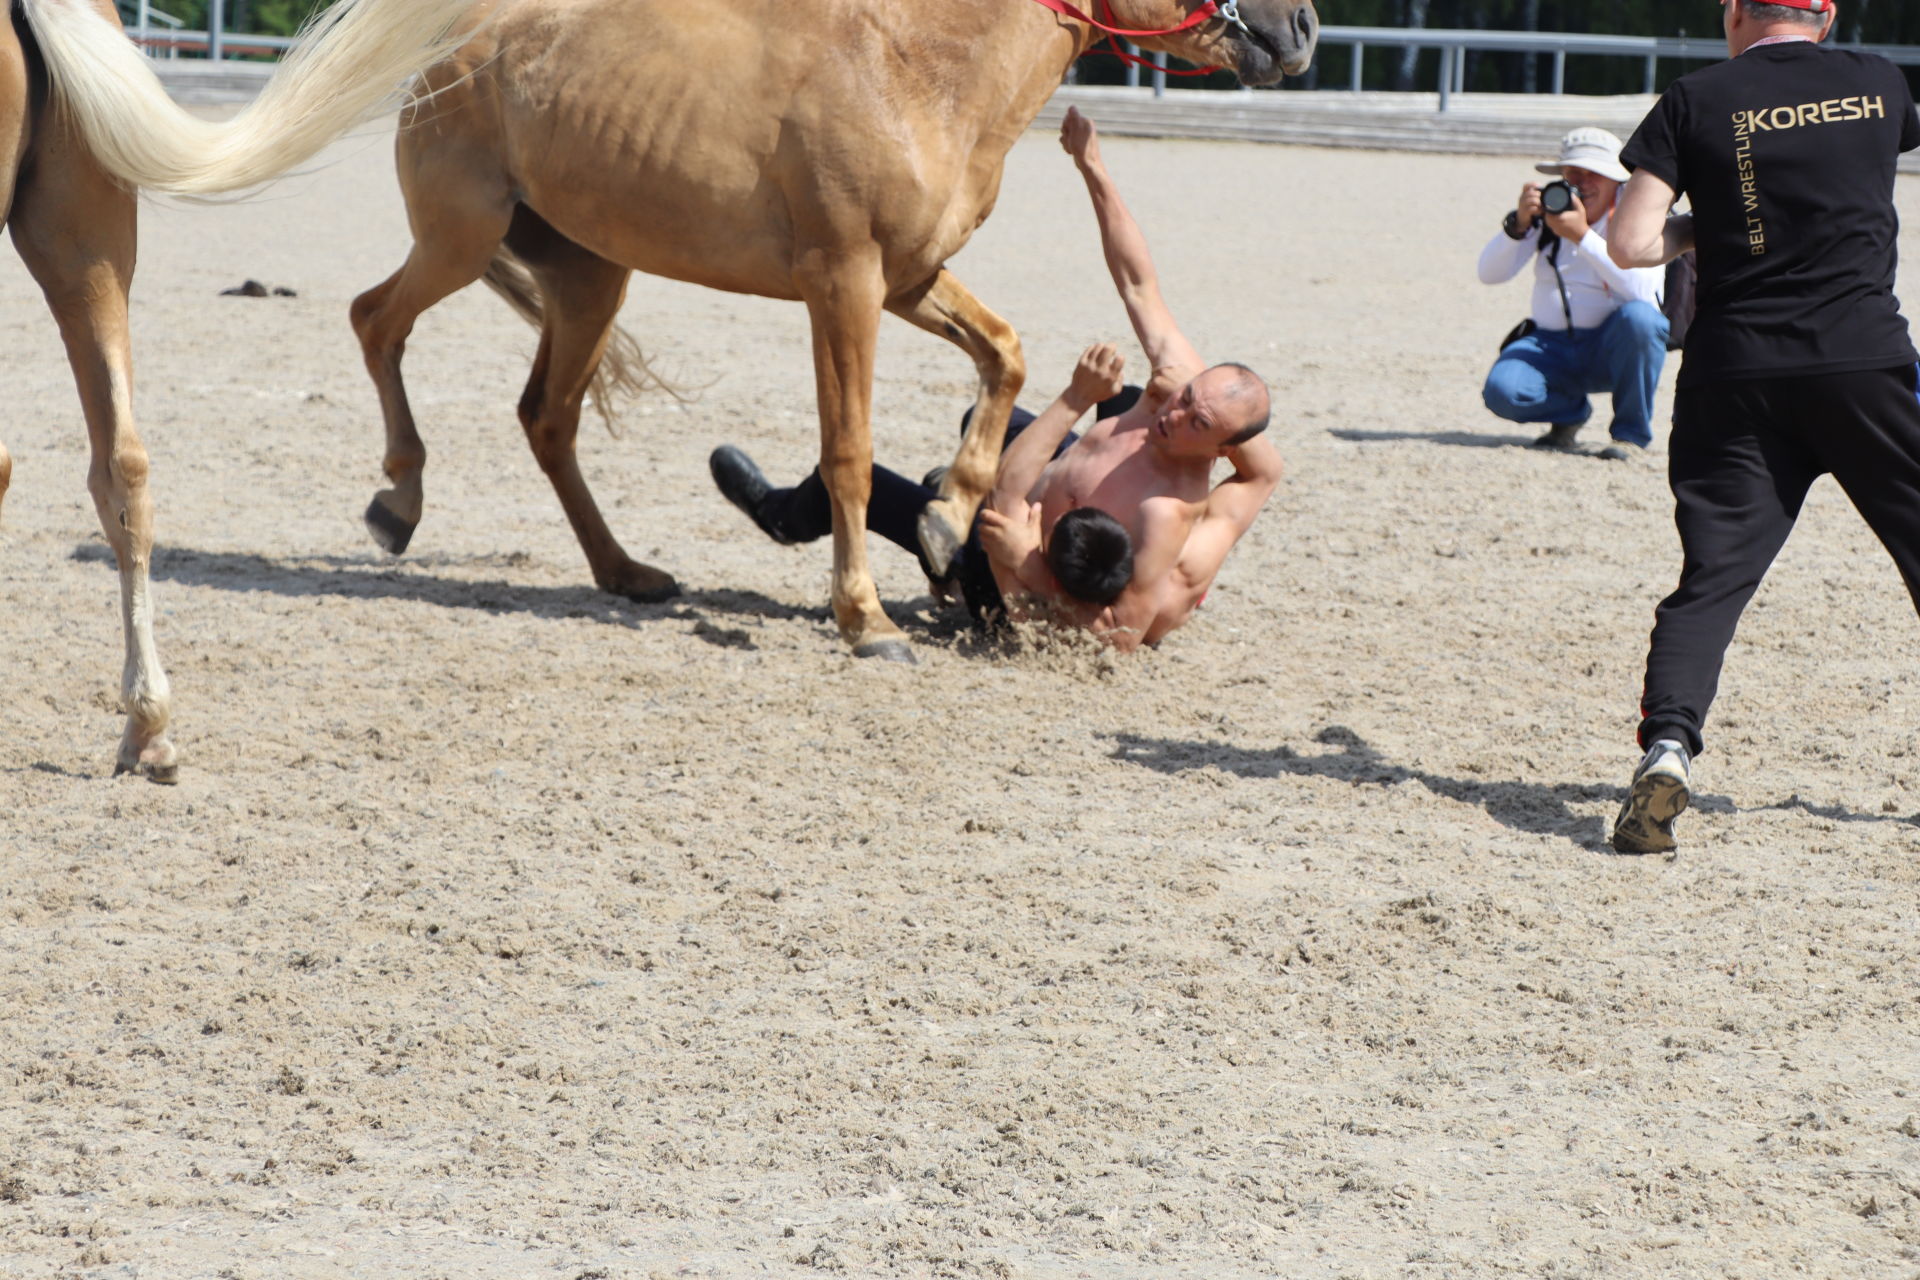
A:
[624,371]
[351,60]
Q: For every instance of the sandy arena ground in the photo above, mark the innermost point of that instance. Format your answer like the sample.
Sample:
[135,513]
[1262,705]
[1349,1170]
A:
[500,928]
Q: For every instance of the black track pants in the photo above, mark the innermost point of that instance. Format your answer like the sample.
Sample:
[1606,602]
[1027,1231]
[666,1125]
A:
[1741,459]
[805,512]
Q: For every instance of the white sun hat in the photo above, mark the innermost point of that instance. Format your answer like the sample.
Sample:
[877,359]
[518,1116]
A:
[1594,150]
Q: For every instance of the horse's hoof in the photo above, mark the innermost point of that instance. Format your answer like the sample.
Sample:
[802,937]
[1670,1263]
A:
[893,650]
[389,528]
[652,595]
[641,585]
[167,774]
[938,540]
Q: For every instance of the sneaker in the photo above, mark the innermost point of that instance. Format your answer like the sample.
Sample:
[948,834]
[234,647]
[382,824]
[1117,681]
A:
[1559,436]
[1659,794]
[740,481]
[1622,451]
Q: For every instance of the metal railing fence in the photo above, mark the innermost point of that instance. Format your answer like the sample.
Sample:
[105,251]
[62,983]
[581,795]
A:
[1454,45]
[216,41]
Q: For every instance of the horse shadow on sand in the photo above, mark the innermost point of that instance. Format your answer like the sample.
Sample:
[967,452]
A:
[358,578]
[1537,808]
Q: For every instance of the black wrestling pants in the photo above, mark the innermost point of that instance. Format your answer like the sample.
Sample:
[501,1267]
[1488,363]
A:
[805,512]
[1741,458]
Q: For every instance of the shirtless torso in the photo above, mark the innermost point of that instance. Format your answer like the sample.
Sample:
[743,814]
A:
[1149,467]
[1114,468]
[1111,467]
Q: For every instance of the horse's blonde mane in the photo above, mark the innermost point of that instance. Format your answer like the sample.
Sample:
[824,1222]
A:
[351,61]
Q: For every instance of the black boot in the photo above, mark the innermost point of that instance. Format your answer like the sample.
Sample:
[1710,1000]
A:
[742,484]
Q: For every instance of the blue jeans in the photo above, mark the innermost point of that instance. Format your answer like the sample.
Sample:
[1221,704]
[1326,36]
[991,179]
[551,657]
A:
[1547,376]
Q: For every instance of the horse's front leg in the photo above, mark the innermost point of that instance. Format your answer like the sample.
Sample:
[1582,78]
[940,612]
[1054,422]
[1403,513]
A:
[944,306]
[844,293]
[74,228]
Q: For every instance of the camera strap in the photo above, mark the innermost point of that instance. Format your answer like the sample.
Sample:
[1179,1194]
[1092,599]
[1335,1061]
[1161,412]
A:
[1550,245]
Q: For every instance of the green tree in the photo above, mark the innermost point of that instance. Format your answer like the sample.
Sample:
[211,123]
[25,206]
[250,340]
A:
[260,17]
[279,17]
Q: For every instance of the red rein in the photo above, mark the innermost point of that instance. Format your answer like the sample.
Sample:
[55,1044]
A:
[1194,19]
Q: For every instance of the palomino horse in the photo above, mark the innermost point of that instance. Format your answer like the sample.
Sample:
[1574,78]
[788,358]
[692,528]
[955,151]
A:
[83,120]
[833,152]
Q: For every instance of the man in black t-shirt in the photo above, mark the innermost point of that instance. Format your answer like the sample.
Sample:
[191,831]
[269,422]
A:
[1798,361]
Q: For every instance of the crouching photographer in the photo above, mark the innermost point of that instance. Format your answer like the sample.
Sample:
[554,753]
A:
[1594,326]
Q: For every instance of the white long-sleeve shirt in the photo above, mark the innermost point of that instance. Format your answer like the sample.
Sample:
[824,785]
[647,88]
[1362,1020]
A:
[1595,287]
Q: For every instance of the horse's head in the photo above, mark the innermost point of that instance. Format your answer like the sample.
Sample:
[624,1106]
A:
[1277,39]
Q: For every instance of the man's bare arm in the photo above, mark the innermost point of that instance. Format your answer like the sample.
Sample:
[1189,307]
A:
[1642,234]
[1231,508]
[1012,544]
[1027,457]
[1128,259]
[1011,540]
[1147,609]
[1096,377]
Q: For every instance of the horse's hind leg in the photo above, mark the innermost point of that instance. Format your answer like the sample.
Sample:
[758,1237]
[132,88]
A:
[581,292]
[944,306]
[75,230]
[458,222]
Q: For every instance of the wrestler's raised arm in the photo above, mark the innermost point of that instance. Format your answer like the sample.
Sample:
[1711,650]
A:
[1095,377]
[1173,358]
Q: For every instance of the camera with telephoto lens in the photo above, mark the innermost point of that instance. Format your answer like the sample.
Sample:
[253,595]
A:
[1557,196]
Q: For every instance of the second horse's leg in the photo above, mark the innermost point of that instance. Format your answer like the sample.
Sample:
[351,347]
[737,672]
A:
[74,228]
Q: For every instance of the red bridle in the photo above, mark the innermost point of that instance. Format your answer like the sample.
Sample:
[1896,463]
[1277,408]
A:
[1194,19]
